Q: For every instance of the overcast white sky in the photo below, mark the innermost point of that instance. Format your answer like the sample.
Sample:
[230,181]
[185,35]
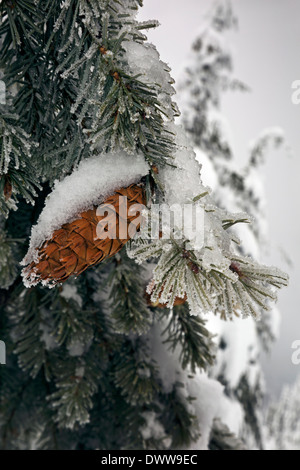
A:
[267,59]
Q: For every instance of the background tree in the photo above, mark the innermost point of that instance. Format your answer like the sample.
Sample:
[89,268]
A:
[237,186]
[282,420]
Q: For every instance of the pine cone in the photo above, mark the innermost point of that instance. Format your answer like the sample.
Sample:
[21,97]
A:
[77,245]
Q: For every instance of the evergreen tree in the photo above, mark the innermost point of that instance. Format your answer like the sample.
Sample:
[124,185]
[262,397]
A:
[237,187]
[282,420]
[89,115]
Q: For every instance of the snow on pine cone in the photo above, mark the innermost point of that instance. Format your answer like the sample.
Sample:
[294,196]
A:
[78,244]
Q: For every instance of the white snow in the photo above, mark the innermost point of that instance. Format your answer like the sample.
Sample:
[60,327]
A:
[70,292]
[153,429]
[209,396]
[231,414]
[240,338]
[182,183]
[208,173]
[276,322]
[47,337]
[144,60]
[88,185]
[209,400]
[76,348]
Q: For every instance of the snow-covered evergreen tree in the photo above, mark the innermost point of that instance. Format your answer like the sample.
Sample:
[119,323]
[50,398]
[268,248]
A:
[237,187]
[283,420]
[100,360]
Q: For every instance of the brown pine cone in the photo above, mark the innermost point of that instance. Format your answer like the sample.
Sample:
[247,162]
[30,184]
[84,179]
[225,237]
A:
[77,245]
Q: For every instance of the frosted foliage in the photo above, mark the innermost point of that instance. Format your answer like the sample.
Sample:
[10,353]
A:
[144,60]
[15,143]
[212,276]
[217,122]
[208,65]
[183,184]
[127,7]
[93,180]
[271,136]
[8,264]
[253,198]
